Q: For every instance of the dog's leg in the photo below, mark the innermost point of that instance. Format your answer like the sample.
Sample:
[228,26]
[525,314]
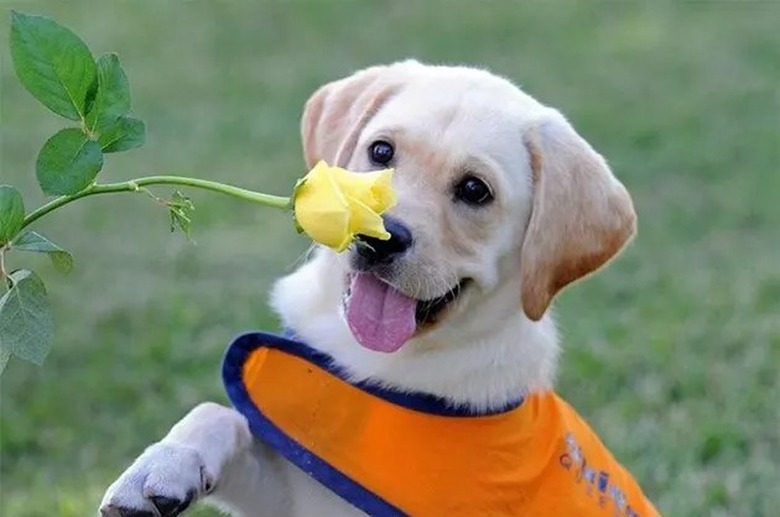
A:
[208,454]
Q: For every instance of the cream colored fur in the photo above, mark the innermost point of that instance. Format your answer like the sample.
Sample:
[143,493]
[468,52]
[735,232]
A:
[559,214]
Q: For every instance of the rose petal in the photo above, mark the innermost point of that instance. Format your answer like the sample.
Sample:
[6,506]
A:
[373,188]
[322,210]
[364,221]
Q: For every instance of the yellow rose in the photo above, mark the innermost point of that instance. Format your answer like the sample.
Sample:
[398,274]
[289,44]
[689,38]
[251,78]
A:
[333,205]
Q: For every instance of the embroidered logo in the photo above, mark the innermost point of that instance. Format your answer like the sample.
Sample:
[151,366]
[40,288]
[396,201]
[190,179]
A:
[596,482]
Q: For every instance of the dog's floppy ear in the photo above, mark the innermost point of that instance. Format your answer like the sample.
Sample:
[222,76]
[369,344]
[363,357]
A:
[582,216]
[336,114]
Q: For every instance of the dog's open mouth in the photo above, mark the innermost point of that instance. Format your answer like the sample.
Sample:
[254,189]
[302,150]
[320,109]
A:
[382,318]
[428,311]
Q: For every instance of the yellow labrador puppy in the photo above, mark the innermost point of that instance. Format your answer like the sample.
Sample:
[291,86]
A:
[501,205]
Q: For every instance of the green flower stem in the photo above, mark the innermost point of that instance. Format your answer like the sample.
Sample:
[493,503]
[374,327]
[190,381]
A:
[136,184]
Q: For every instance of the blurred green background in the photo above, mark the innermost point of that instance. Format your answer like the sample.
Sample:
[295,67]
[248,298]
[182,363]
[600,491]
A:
[672,353]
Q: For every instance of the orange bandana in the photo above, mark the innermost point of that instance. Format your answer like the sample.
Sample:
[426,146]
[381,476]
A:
[392,453]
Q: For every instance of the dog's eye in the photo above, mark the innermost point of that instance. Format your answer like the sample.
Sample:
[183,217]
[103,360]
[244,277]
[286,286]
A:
[473,191]
[380,152]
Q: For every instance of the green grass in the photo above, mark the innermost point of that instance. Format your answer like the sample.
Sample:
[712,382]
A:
[672,353]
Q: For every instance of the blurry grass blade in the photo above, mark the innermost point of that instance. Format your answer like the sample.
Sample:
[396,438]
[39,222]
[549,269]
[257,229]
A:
[53,64]
[35,242]
[11,213]
[4,356]
[113,92]
[121,134]
[68,163]
[25,319]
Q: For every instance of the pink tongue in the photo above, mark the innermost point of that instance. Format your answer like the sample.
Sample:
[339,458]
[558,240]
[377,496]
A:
[380,317]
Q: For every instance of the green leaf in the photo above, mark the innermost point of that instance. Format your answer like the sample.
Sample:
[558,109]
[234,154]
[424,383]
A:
[180,207]
[179,200]
[122,134]
[113,93]
[35,242]
[68,163]
[53,64]
[25,319]
[107,118]
[11,213]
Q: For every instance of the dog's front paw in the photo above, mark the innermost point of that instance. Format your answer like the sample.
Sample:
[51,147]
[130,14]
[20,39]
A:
[162,482]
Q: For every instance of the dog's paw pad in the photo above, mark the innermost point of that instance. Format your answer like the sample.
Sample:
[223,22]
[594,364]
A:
[169,507]
[116,511]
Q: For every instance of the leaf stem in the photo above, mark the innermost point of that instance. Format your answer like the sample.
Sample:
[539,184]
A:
[3,273]
[136,184]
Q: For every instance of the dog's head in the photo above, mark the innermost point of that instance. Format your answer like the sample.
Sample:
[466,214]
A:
[496,193]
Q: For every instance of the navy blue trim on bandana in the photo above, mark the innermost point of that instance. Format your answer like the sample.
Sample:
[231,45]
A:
[417,401]
[365,500]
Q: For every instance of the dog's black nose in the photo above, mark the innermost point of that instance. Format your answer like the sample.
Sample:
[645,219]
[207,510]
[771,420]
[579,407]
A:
[375,251]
